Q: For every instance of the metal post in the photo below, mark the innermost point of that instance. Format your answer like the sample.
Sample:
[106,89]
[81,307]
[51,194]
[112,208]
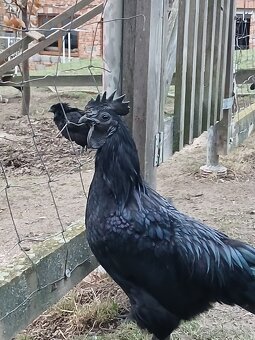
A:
[212,162]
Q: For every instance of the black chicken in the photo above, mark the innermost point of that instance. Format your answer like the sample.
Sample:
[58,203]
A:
[67,120]
[171,266]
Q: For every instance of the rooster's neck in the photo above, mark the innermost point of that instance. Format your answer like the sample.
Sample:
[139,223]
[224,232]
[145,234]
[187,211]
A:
[117,165]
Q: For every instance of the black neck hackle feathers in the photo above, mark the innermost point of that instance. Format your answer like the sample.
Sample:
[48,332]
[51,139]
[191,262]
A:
[171,266]
[117,159]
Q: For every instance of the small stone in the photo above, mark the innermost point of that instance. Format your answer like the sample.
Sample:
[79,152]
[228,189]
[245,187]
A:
[25,248]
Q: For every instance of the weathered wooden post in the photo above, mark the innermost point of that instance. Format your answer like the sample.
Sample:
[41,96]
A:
[168,52]
[141,65]
[112,45]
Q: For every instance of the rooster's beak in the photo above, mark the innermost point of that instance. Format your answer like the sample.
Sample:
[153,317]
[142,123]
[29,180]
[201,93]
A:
[90,120]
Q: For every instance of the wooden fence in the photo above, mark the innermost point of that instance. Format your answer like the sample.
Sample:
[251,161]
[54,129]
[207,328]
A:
[204,68]
[193,38]
[197,44]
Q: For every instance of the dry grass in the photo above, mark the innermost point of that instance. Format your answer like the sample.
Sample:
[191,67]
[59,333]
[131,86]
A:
[93,307]
[96,310]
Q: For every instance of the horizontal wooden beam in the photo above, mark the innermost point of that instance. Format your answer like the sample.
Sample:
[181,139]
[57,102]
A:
[244,113]
[29,287]
[245,76]
[242,126]
[52,80]
[54,22]
[50,39]
[35,35]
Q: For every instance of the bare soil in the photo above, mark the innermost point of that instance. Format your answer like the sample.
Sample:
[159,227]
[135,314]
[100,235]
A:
[226,203]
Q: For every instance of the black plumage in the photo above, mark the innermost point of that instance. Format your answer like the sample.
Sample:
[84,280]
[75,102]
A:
[171,266]
[66,119]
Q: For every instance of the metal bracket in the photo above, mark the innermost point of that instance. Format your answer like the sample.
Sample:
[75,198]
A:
[158,148]
[228,103]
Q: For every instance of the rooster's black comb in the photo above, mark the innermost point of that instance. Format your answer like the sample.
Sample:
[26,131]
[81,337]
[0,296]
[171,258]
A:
[118,105]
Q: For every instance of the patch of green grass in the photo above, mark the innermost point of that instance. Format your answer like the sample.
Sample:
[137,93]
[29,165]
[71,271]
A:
[24,337]
[74,67]
[244,59]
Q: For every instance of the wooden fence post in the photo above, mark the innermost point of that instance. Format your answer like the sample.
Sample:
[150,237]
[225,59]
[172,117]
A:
[112,45]
[181,69]
[208,76]
[200,71]
[142,42]
[191,71]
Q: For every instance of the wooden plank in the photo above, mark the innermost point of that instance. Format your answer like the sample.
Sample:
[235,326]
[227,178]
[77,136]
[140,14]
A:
[191,71]
[54,22]
[28,288]
[242,128]
[242,76]
[210,44]
[217,61]
[50,39]
[144,85]
[168,139]
[128,55]
[225,124]
[171,44]
[200,71]
[60,80]
[112,49]
[244,113]
[35,35]
[163,70]
[223,57]
[181,68]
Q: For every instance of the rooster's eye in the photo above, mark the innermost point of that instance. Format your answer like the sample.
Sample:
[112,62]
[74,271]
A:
[105,116]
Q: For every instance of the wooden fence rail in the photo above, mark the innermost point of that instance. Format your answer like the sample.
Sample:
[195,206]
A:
[39,46]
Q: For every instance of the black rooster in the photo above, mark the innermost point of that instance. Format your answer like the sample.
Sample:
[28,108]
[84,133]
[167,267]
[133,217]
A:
[67,120]
[171,266]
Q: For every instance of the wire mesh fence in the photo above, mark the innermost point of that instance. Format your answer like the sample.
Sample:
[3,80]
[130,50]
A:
[44,179]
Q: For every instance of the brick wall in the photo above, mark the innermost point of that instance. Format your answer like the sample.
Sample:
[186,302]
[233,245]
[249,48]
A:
[86,39]
[247,7]
[90,37]
[245,4]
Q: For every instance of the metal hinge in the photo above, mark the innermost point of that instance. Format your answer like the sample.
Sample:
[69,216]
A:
[158,148]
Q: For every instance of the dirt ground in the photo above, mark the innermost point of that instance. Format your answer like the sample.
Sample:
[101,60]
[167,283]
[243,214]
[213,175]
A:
[29,172]
[226,203]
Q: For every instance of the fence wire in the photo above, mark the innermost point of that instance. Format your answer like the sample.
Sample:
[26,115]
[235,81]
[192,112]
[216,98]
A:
[11,185]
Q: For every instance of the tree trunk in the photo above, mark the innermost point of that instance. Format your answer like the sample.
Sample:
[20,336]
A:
[25,67]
